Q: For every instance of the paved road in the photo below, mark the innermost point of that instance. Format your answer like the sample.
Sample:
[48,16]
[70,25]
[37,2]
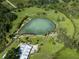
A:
[11,3]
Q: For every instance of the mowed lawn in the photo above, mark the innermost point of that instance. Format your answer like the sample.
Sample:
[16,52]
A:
[48,48]
[64,23]
[33,12]
[25,12]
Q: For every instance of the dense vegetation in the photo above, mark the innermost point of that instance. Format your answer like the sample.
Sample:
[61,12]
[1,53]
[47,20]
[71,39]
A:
[13,54]
[6,17]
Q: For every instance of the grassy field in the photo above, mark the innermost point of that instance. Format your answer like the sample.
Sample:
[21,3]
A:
[47,47]
[50,49]
[33,12]
[68,53]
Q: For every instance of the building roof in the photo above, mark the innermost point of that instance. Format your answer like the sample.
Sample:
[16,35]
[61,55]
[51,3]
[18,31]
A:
[25,50]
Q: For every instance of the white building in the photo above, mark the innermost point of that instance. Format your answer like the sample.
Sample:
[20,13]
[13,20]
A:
[25,51]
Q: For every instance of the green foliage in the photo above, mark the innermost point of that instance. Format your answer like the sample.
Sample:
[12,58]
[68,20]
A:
[6,17]
[2,0]
[66,1]
[12,54]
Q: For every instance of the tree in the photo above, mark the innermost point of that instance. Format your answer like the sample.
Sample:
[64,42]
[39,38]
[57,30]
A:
[66,1]
[12,54]
[2,0]
[55,1]
[6,17]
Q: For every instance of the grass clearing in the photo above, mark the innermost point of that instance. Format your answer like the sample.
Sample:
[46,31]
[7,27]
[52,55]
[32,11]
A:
[33,11]
[68,54]
[47,46]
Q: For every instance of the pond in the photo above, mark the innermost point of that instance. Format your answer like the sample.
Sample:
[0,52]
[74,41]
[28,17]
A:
[38,26]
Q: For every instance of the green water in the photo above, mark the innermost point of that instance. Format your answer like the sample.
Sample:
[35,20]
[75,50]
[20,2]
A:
[38,26]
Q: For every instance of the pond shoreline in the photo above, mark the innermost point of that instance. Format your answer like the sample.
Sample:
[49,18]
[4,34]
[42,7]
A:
[52,26]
